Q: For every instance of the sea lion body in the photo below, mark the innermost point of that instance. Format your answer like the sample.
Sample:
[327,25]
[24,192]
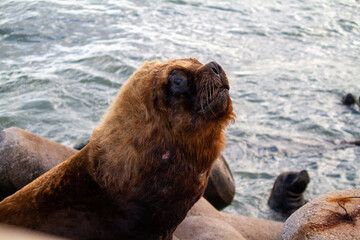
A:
[146,164]
[287,192]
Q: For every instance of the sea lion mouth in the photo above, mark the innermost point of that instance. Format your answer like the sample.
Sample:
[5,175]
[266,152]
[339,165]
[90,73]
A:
[213,96]
[216,101]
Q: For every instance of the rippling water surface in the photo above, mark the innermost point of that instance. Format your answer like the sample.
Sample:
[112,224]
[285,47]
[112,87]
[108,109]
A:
[289,62]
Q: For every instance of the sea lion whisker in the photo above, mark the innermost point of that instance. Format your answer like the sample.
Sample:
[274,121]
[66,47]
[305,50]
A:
[209,90]
[215,87]
[207,93]
[202,93]
[210,98]
[202,97]
[212,91]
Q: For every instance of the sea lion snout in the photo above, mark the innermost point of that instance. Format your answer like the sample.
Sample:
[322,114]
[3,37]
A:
[299,184]
[217,69]
[213,90]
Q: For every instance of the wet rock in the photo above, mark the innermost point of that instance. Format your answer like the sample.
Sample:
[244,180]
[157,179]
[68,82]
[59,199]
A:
[16,233]
[204,222]
[220,190]
[287,192]
[24,156]
[203,227]
[331,216]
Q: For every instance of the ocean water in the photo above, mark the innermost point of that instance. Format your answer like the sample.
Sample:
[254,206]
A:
[289,64]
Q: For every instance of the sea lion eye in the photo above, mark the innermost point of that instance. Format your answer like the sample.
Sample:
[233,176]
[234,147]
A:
[178,83]
[290,178]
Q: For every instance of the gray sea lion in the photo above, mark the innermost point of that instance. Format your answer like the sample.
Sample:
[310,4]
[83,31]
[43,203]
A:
[287,193]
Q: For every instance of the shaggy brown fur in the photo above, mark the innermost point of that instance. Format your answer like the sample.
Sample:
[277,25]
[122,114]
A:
[147,162]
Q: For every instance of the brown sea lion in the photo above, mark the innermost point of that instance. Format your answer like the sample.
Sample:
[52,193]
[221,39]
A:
[147,162]
[287,193]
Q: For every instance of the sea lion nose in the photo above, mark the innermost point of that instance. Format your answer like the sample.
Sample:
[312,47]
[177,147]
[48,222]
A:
[215,67]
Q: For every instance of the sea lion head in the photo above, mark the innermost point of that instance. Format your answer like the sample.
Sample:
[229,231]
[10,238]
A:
[296,182]
[178,96]
[183,91]
[181,106]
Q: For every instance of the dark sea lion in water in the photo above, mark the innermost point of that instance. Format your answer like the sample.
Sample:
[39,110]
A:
[355,142]
[146,164]
[348,99]
[287,193]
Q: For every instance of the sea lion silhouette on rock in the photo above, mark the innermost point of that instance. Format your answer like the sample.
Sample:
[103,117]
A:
[287,193]
[147,162]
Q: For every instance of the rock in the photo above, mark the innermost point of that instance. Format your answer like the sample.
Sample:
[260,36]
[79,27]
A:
[287,193]
[24,156]
[331,216]
[16,233]
[204,222]
[220,190]
[204,228]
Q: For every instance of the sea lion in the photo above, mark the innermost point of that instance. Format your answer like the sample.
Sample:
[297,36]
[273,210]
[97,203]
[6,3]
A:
[355,142]
[147,162]
[348,99]
[287,193]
